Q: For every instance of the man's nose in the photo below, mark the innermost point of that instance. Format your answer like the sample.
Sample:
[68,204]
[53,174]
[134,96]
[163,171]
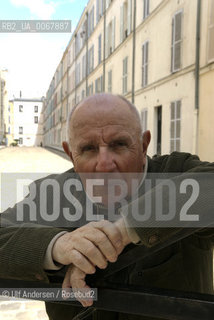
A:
[105,161]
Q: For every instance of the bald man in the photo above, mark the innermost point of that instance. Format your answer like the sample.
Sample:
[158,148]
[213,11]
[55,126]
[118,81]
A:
[105,137]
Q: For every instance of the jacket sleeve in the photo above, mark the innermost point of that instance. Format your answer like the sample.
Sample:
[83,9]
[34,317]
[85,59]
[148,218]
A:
[152,231]
[23,245]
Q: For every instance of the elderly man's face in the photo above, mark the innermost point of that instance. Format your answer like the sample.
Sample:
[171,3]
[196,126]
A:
[105,137]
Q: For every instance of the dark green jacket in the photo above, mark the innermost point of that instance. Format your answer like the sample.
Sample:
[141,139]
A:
[186,265]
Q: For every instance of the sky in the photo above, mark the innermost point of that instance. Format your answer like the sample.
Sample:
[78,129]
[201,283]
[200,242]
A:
[32,58]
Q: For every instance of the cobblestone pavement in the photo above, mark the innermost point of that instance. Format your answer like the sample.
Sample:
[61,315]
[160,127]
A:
[27,159]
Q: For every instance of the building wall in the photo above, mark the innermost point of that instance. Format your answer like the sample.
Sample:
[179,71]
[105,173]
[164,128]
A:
[3,105]
[157,81]
[206,101]
[27,130]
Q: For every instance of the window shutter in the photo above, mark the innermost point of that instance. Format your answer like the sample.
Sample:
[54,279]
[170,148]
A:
[92,66]
[129,16]
[146,62]
[89,24]
[101,9]
[113,34]
[176,41]
[172,46]
[92,19]
[101,84]
[121,23]
[96,86]
[97,12]
[211,34]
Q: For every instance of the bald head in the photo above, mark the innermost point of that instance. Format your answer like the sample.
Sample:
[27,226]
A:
[100,106]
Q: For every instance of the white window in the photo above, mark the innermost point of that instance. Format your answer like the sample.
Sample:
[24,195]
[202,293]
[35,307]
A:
[20,130]
[145,53]
[125,19]
[91,22]
[20,140]
[110,81]
[35,109]
[83,66]
[176,41]
[99,9]
[91,59]
[145,8]
[99,48]
[125,75]
[20,108]
[108,2]
[35,119]
[83,94]
[144,114]
[90,89]
[175,126]
[110,37]
[99,85]
[77,75]
[211,33]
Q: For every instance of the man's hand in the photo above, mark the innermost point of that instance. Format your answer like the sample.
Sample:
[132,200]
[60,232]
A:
[75,279]
[91,245]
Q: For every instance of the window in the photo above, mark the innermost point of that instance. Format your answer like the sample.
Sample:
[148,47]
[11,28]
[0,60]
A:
[99,85]
[8,108]
[90,89]
[125,19]
[35,109]
[20,108]
[83,94]
[108,2]
[125,75]
[35,119]
[175,126]
[99,48]
[110,37]
[77,74]
[144,114]
[20,130]
[8,119]
[176,42]
[211,34]
[8,130]
[110,81]
[91,22]
[145,52]
[91,59]
[99,9]
[83,66]
[145,8]
[20,140]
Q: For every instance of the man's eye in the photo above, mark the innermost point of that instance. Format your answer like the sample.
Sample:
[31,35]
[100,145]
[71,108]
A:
[118,144]
[88,148]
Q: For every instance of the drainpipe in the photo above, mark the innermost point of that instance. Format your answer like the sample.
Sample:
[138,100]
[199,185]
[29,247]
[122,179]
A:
[197,71]
[133,53]
[75,68]
[86,57]
[104,45]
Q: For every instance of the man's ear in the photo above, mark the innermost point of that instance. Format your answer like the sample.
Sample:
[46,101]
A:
[146,140]
[67,150]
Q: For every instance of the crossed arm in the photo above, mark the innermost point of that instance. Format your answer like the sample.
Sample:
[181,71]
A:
[93,245]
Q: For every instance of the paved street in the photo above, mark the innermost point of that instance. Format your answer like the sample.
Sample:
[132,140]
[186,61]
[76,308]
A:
[23,159]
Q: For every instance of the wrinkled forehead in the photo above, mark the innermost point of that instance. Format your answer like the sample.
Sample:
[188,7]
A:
[102,111]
